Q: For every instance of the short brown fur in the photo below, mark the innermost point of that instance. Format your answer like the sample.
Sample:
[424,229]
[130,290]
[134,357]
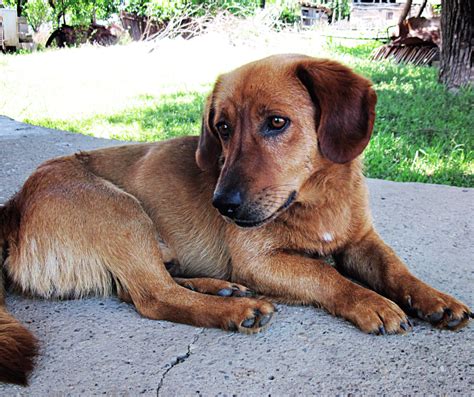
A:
[138,220]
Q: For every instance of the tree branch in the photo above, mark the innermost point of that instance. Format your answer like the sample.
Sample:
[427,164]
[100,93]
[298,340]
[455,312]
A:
[422,8]
[405,12]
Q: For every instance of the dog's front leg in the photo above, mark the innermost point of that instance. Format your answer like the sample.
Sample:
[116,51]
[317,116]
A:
[372,262]
[298,279]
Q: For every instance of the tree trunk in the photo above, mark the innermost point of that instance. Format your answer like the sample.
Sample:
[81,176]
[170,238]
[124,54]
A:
[456,66]
[19,7]
[405,12]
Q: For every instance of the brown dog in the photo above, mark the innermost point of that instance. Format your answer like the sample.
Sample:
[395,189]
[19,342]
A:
[278,158]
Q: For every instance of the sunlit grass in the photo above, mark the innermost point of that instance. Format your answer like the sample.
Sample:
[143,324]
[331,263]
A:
[150,119]
[422,132]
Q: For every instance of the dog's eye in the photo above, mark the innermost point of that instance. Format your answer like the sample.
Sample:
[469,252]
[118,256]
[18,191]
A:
[275,125]
[277,122]
[224,130]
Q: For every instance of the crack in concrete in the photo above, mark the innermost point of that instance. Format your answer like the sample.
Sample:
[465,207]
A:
[178,360]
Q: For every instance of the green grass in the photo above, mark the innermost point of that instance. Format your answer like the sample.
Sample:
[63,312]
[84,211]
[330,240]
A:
[423,133]
[149,119]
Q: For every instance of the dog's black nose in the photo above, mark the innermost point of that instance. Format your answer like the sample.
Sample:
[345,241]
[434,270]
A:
[227,202]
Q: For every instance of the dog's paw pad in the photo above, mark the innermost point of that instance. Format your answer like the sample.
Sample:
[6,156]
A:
[253,319]
[225,292]
[249,323]
[264,320]
[441,310]
[433,318]
[258,320]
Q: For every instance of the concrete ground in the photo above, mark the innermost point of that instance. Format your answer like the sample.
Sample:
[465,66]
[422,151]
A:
[95,346]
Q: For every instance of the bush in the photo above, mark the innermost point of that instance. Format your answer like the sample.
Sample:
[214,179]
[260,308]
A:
[37,12]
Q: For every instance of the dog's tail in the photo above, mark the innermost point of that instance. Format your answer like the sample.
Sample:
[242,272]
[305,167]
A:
[18,346]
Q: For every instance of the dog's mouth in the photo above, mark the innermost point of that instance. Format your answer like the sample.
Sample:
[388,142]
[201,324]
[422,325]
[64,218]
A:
[256,223]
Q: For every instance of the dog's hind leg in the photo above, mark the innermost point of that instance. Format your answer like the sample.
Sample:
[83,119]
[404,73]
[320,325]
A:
[82,235]
[136,263]
[214,286]
[156,295]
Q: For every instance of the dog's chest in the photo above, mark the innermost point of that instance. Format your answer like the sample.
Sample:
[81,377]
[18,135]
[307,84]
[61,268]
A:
[316,231]
[316,242]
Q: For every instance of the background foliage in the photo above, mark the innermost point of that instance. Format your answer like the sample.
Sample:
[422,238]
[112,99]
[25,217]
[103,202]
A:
[82,12]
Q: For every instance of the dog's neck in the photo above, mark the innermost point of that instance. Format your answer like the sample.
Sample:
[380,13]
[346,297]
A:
[323,215]
[331,179]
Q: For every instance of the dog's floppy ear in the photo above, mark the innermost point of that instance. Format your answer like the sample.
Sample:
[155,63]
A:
[209,146]
[345,104]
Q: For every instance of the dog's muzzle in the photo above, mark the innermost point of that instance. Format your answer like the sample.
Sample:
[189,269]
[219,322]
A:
[233,207]
[228,203]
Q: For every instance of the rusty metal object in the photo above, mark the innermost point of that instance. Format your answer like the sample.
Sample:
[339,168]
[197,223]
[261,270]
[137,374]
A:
[140,27]
[428,30]
[94,33]
[417,55]
[418,43]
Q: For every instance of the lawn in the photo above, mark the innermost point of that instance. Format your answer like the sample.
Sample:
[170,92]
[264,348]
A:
[422,133]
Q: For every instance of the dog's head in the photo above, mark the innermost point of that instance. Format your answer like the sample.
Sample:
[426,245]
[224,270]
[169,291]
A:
[269,125]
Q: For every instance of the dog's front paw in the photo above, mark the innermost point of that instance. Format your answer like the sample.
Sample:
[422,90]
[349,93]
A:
[440,309]
[250,316]
[374,314]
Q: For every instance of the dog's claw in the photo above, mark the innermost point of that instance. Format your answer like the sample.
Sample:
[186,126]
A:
[382,330]
[404,326]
